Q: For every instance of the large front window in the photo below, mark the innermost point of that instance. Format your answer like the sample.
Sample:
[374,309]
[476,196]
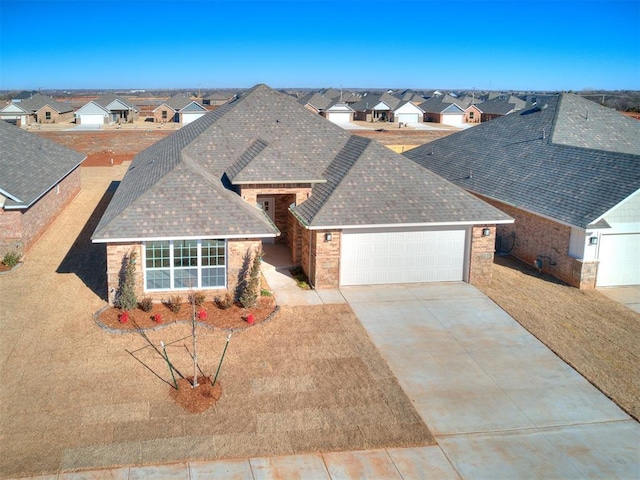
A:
[185,264]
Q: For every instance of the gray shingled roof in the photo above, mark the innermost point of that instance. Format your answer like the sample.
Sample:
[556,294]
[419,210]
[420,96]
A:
[37,101]
[184,184]
[31,165]
[553,159]
[105,100]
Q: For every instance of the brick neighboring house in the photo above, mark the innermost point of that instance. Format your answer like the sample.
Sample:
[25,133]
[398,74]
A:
[37,109]
[107,109]
[439,111]
[387,108]
[263,168]
[38,178]
[568,171]
[178,109]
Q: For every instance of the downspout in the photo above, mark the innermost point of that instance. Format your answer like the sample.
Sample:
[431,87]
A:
[309,276]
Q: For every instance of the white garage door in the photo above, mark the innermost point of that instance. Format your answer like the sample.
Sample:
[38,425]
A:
[619,257]
[190,117]
[407,118]
[401,257]
[453,120]
[339,117]
[92,119]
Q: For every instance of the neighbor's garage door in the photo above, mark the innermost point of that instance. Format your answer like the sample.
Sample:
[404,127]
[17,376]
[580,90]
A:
[339,117]
[407,118]
[92,119]
[619,257]
[190,117]
[453,120]
[401,257]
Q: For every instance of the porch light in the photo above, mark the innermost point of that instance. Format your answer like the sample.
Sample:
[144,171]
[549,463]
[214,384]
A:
[486,232]
[328,237]
[593,240]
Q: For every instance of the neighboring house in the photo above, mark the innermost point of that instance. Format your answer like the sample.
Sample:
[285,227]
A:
[107,110]
[387,108]
[37,109]
[39,178]
[23,96]
[339,113]
[216,99]
[179,109]
[568,171]
[496,107]
[472,114]
[435,110]
[262,168]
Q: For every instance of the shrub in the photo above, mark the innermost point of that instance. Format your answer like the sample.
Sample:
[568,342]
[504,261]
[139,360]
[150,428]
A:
[126,294]
[145,304]
[11,259]
[225,301]
[301,279]
[197,298]
[265,293]
[252,287]
[174,303]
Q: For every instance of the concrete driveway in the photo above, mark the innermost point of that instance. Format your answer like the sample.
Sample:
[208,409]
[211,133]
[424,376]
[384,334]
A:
[499,402]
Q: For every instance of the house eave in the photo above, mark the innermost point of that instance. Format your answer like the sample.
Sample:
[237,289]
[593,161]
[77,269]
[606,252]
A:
[411,225]
[183,237]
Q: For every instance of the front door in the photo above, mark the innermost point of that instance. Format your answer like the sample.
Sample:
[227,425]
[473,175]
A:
[268,205]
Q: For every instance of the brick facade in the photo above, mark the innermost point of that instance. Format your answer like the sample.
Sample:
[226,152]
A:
[20,229]
[326,259]
[284,195]
[538,237]
[157,115]
[53,116]
[236,252]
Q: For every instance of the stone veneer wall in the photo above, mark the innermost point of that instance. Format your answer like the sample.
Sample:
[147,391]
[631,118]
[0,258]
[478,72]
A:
[481,257]
[21,229]
[538,236]
[320,259]
[236,251]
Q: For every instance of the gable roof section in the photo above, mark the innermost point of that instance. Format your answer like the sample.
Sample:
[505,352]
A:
[369,185]
[544,160]
[31,165]
[91,107]
[178,184]
[113,102]
[37,101]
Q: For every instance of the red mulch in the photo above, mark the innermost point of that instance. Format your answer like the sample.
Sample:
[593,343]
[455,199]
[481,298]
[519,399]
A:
[4,268]
[232,318]
[197,399]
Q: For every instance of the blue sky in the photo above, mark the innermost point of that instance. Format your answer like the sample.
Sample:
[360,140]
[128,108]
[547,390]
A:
[525,45]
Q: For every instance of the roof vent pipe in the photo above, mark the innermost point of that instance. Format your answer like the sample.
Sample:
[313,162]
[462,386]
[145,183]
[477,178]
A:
[544,134]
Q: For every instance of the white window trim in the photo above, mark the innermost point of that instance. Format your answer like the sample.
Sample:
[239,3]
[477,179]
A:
[172,268]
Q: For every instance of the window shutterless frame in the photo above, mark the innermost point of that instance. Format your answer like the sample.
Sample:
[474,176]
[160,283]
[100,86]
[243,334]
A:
[184,264]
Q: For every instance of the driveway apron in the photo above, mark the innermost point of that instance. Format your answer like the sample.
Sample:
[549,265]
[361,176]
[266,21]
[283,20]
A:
[499,402]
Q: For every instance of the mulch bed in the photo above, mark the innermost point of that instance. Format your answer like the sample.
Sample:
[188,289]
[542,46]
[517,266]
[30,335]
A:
[231,319]
[196,399]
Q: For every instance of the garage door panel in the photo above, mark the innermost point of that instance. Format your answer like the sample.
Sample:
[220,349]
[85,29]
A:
[402,257]
[619,257]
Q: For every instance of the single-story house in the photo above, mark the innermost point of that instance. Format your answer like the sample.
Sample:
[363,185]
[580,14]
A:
[340,113]
[496,107]
[39,178]
[215,99]
[179,109]
[568,171]
[37,109]
[472,114]
[435,110]
[386,108]
[262,168]
[107,110]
